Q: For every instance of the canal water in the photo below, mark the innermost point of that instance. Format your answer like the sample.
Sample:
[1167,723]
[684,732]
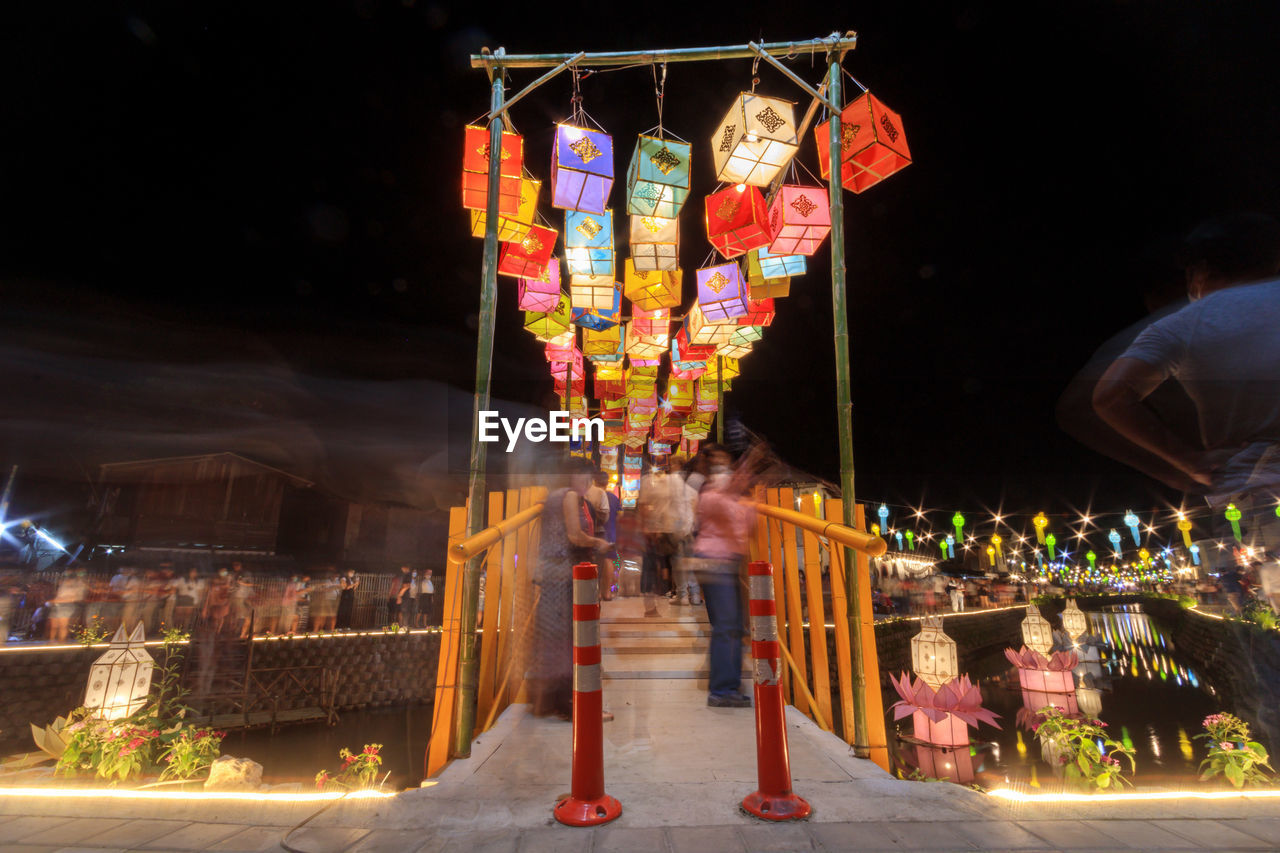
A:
[1150,698]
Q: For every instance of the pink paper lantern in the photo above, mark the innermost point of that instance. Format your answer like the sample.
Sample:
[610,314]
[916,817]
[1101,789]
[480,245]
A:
[540,294]
[799,220]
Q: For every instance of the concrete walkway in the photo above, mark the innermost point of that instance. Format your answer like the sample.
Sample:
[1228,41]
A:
[678,767]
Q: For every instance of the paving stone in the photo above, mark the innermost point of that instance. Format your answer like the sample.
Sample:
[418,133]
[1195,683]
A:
[1264,829]
[928,835]
[1071,835]
[396,841]
[325,839]
[492,841]
[705,839]
[1210,833]
[1001,834]
[29,848]
[558,839]
[624,839]
[135,833]
[835,837]
[253,839]
[91,850]
[1141,834]
[28,828]
[76,830]
[193,836]
[776,837]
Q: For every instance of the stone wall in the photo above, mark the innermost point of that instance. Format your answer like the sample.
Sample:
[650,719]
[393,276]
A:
[374,670]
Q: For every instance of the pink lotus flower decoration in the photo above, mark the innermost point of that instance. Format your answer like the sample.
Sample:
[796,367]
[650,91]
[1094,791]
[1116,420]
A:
[959,697]
[1031,659]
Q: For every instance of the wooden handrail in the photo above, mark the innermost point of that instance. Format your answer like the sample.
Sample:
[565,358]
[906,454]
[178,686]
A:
[492,535]
[869,544]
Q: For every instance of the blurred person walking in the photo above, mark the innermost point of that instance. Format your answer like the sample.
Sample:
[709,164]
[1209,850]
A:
[188,594]
[395,598]
[606,506]
[659,511]
[347,586]
[65,604]
[426,600]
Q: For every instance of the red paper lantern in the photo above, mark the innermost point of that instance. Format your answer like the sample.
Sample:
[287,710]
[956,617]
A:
[873,144]
[531,256]
[759,313]
[475,170]
[799,220]
[737,220]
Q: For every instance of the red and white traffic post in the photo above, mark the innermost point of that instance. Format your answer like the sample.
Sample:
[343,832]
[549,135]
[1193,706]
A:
[587,804]
[774,800]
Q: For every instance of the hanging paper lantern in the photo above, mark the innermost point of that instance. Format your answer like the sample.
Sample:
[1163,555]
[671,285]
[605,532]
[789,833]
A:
[1144,557]
[1114,538]
[872,144]
[641,382]
[897,534]
[883,513]
[911,541]
[601,342]
[755,140]
[1092,558]
[658,178]
[706,396]
[680,394]
[475,170]
[996,540]
[650,289]
[1037,633]
[588,242]
[1233,515]
[991,556]
[593,291]
[732,349]
[1131,521]
[530,257]
[599,318]
[655,243]
[722,368]
[700,331]
[1074,622]
[686,356]
[581,169]
[648,334]
[120,678]
[875,529]
[540,294]
[1195,554]
[546,325]
[1039,559]
[780,266]
[513,228]
[759,287]
[743,336]
[799,220]
[722,294]
[951,546]
[760,312]
[1184,525]
[957,521]
[1050,541]
[737,220]
[1040,522]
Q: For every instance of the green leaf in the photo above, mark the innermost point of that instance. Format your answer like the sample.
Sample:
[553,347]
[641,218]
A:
[1235,775]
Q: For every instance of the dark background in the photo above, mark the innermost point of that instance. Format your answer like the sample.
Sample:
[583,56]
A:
[237,226]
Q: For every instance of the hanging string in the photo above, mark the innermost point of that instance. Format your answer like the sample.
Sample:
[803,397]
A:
[575,100]
[755,73]
[659,90]
[854,79]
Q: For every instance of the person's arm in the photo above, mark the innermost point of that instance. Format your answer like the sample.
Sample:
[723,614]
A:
[1117,398]
[573,527]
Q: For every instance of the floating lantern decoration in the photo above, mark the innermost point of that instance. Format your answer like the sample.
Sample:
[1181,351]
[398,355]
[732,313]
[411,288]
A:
[722,294]
[933,653]
[513,228]
[1050,542]
[581,169]
[588,242]
[1037,633]
[658,178]
[650,289]
[1195,554]
[1040,522]
[1233,515]
[655,243]
[546,325]
[593,291]
[1131,521]
[883,513]
[1092,558]
[475,170]
[530,257]
[911,541]
[755,140]
[872,144]
[759,287]
[1074,622]
[799,220]
[120,679]
[542,293]
[1114,538]
[737,220]
[957,521]
[1184,525]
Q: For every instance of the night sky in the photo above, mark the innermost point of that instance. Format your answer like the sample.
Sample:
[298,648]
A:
[237,227]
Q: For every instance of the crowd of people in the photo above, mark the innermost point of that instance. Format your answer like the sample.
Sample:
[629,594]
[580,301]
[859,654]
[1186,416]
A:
[230,601]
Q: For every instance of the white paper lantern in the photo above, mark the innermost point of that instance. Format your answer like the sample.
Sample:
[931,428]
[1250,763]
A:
[1037,633]
[933,653]
[120,678]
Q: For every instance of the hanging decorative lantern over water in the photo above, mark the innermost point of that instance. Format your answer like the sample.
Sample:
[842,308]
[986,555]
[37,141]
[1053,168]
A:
[933,653]
[658,178]
[581,169]
[799,220]
[755,140]
[655,243]
[1037,633]
[737,220]
[872,144]
[588,242]
[475,170]
[120,679]
[1074,622]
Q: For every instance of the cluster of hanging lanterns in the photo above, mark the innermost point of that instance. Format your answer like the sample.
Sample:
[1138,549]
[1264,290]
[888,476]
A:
[762,226]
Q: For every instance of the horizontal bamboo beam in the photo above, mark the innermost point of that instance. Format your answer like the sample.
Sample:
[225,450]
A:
[833,42]
[872,546]
[492,535]
[792,76]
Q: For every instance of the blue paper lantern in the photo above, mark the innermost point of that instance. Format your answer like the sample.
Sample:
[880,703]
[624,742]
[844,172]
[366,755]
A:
[780,266]
[658,177]
[588,242]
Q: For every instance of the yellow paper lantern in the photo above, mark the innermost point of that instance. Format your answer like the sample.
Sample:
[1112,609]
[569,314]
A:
[512,229]
[651,289]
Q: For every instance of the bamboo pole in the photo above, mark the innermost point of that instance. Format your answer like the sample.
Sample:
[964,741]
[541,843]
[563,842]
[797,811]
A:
[835,41]
[468,664]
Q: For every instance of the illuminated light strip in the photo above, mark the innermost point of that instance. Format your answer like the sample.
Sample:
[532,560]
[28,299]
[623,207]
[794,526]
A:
[114,794]
[1019,797]
[256,639]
